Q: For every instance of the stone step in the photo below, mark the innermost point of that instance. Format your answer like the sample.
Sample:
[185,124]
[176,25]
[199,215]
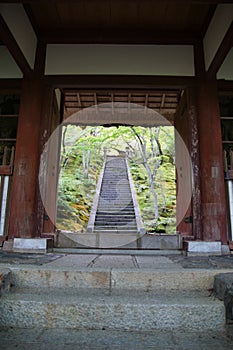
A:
[116,212]
[113,278]
[112,222]
[116,189]
[124,185]
[116,217]
[114,198]
[120,228]
[5,277]
[122,310]
[121,181]
[116,202]
[124,230]
[121,173]
[105,219]
[113,191]
[113,210]
[104,205]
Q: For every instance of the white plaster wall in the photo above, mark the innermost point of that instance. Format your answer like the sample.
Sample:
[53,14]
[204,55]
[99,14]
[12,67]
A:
[20,26]
[8,67]
[217,29]
[120,59]
[226,70]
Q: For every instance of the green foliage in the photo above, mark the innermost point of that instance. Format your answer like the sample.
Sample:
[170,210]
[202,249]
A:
[82,155]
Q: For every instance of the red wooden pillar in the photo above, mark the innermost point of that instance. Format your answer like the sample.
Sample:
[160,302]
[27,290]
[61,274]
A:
[211,163]
[45,132]
[50,146]
[195,159]
[22,221]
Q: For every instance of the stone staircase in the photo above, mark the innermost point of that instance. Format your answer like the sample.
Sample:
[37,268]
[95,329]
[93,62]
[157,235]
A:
[115,211]
[58,296]
[115,220]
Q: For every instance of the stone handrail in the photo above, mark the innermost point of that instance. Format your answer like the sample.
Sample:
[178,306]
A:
[91,221]
[140,229]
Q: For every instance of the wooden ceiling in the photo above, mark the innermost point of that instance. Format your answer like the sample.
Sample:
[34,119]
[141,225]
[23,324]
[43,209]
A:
[163,102]
[178,22]
[120,21]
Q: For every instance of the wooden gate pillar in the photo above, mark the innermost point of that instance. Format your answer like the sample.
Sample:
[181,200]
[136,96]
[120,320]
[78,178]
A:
[211,163]
[22,220]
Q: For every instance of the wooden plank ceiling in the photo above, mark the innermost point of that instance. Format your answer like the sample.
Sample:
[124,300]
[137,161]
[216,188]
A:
[121,22]
[163,102]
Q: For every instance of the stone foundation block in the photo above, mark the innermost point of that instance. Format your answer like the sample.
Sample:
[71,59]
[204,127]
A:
[32,245]
[222,282]
[204,248]
[5,281]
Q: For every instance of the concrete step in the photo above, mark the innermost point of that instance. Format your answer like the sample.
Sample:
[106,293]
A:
[122,310]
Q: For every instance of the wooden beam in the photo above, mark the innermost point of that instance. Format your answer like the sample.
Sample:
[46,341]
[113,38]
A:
[10,86]
[13,47]
[225,85]
[121,82]
[117,36]
[79,100]
[6,170]
[146,101]
[169,1]
[112,98]
[163,100]
[96,101]
[199,61]
[221,53]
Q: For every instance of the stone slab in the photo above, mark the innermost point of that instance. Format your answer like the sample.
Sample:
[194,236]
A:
[161,279]
[97,240]
[8,246]
[114,261]
[70,339]
[222,282]
[156,262]
[208,248]
[5,281]
[119,251]
[163,241]
[127,310]
[74,261]
[66,278]
[34,245]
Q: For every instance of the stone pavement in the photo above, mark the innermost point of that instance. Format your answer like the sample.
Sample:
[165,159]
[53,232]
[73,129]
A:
[62,338]
[117,260]
[72,339]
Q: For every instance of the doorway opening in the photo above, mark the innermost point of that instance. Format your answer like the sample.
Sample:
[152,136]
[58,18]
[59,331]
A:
[146,138]
[150,153]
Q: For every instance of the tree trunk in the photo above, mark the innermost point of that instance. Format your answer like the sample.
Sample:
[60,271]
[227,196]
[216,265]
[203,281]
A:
[142,147]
